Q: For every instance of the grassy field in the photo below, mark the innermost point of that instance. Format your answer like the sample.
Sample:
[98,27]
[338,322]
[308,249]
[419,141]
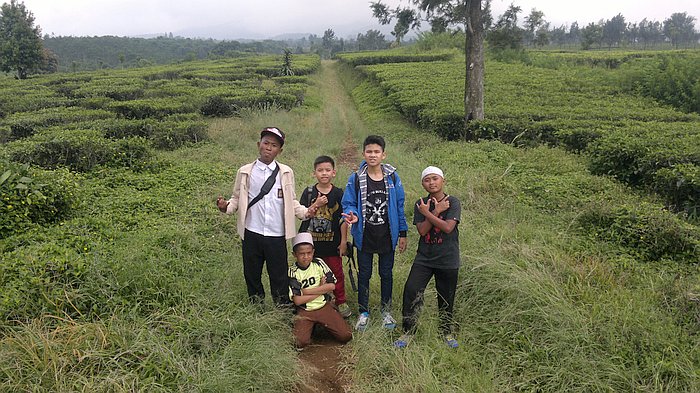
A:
[140,288]
[542,305]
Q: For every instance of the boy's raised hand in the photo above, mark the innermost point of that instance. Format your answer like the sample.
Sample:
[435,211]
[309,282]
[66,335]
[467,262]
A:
[350,218]
[441,206]
[222,204]
[423,207]
[321,201]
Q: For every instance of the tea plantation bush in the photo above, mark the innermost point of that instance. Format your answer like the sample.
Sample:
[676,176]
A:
[171,135]
[25,124]
[398,56]
[646,231]
[628,137]
[661,157]
[157,108]
[79,150]
[34,197]
[670,78]
[40,278]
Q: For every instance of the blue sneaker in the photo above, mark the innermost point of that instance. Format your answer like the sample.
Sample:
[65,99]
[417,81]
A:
[388,321]
[403,341]
[451,341]
[362,322]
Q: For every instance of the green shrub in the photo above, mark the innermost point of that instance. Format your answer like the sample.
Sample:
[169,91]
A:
[150,108]
[25,124]
[30,196]
[80,150]
[216,106]
[509,55]
[647,231]
[428,41]
[124,128]
[366,58]
[129,153]
[39,279]
[680,184]
[5,135]
[291,79]
[670,78]
[171,135]
[116,88]
[660,158]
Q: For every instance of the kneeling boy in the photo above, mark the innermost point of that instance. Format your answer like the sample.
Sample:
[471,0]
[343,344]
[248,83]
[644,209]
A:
[311,282]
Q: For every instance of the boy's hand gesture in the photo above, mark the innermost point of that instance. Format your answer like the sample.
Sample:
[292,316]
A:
[424,207]
[350,218]
[222,204]
[321,201]
[441,206]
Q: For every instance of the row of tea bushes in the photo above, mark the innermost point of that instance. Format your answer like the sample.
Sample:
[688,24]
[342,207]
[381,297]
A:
[573,107]
[114,119]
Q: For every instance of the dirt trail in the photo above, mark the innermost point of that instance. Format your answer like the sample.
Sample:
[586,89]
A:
[338,113]
[322,364]
[323,360]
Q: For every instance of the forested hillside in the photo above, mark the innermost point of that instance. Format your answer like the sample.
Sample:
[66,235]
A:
[91,53]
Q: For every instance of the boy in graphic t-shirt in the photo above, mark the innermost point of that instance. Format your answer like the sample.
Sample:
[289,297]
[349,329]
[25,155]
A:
[373,204]
[436,217]
[328,229]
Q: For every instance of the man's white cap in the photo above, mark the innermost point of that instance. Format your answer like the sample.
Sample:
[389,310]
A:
[301,238]
[274,131]
[432,170]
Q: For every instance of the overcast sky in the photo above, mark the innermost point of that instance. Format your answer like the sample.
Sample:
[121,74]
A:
[268,18]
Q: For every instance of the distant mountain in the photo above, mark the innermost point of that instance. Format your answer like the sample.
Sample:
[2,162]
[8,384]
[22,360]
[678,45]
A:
[227,31]
[233,31]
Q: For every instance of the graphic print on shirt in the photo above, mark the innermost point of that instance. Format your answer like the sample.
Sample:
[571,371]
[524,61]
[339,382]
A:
[376,207]
[434,236]
[321,226]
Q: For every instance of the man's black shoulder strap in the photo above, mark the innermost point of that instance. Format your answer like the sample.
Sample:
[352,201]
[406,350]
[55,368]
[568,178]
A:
[266,187]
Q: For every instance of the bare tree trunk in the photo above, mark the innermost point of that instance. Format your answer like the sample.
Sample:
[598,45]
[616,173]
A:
[474,63]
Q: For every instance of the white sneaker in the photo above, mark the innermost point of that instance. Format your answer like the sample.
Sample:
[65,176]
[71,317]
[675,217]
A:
[388,321]
[362,322]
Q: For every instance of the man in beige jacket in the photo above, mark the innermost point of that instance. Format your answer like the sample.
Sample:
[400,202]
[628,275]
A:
[266,202]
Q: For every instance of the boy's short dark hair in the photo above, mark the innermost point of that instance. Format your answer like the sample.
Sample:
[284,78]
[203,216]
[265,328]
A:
[374,140]
[322,159]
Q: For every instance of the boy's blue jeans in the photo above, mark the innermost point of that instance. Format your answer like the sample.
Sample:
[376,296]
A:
[386,267]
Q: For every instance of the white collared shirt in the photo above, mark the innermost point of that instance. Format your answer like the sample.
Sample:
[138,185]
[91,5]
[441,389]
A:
[267,216]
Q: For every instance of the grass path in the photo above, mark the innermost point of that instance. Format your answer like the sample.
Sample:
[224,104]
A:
[329,125]
[323,359]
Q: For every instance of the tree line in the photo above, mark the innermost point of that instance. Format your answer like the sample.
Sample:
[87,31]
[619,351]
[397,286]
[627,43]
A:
[23,51]
[678,30]
[508,32]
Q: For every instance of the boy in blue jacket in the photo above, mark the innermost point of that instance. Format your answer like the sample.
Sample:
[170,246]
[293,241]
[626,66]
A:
[373,204]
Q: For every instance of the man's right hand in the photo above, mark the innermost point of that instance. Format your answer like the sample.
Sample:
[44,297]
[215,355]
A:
[222,204]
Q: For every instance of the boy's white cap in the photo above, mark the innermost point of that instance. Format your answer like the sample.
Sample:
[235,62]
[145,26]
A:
[432,170]
[301,238]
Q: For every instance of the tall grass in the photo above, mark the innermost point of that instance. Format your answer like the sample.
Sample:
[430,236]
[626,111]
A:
[540,305]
